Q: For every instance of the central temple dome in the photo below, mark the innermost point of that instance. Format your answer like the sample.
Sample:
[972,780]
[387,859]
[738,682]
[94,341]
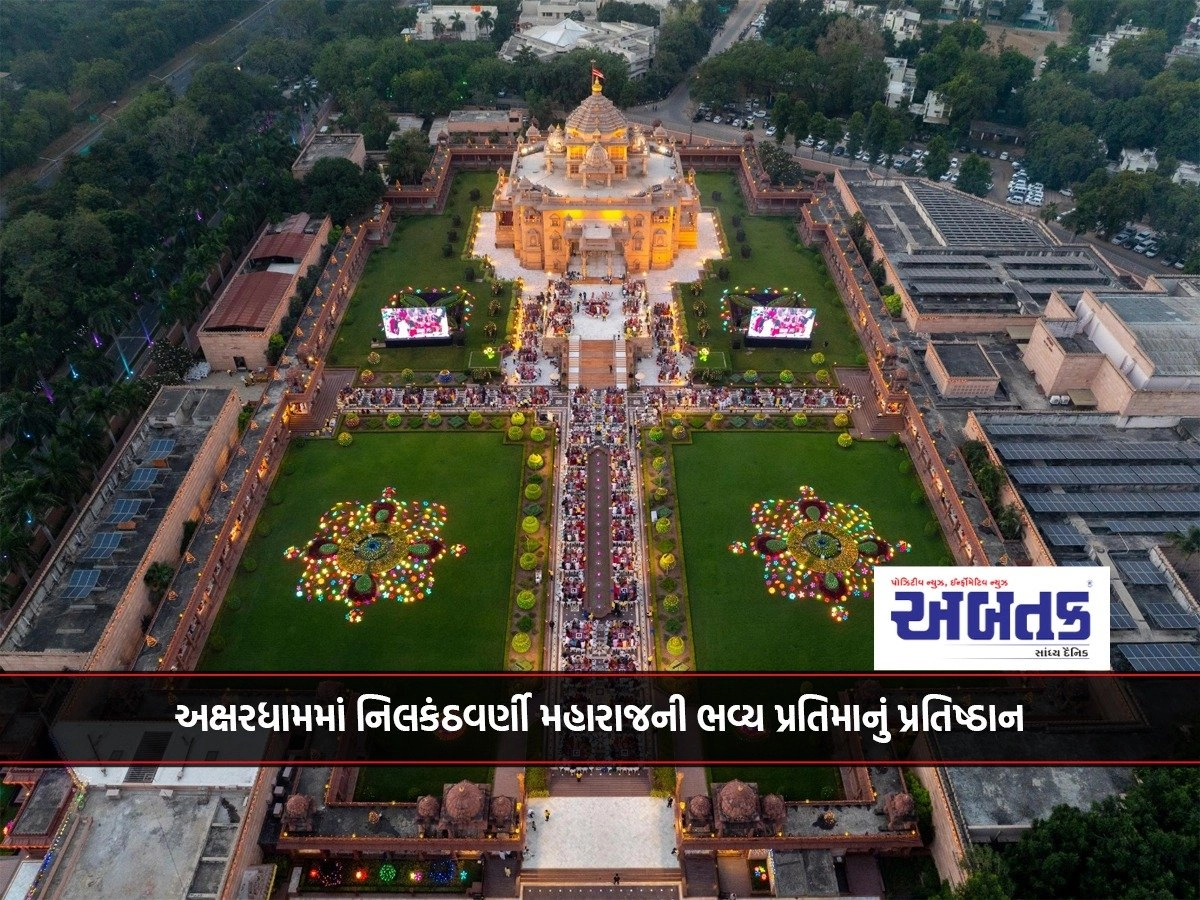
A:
[596,113]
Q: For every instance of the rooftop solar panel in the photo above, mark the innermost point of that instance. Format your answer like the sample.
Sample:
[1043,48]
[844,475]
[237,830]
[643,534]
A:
[1120,619]
[1140,571]
[1062,535]
[141,479]
[1161,657]
[1178,502]
[160,448]
[82,583]
[1168,616]
[123,510]
[103,545]
[1149,526]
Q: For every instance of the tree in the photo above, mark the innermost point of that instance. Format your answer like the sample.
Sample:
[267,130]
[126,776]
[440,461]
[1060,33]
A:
[61,470]
[975,176]
[408,157]
[1145,53]
[439,27]
[1186,542]
[833,134]
[339,188]
[457,25]
[485,22]
[158,578]
[15,553]
[1143,844]
[937,161]
[818,125]
[857,127]
[1059,155]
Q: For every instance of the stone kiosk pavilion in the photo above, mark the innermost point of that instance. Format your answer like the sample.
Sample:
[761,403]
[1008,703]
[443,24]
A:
[598,197]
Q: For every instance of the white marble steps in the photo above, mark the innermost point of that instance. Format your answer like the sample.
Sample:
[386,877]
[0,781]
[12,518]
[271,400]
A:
[629,877]
[565,785]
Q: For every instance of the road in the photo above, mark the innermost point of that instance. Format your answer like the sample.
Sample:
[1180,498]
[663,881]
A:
[178,76]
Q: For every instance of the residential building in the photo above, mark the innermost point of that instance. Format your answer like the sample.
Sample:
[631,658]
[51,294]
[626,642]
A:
[1037,16]
[478,124]
[634,42]
[1186,173]
[903,23]
[838,7]
[438,23]
[547,12]
[1099,51]
[85,607]
[902,79]
[405,123]
[329,146]
[933,110]
[253,302]
[1139,160]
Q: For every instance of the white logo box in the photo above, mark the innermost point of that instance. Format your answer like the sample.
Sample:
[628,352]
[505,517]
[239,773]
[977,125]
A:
[992,619]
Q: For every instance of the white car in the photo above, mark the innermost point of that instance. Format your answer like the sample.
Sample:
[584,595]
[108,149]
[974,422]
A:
[771,129]
[1004,154]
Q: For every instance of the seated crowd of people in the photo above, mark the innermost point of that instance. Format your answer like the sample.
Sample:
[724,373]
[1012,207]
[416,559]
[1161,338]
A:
[732,399]
[369,400]
[667,357]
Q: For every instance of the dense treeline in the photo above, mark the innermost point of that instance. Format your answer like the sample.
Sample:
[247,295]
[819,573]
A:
[66,53]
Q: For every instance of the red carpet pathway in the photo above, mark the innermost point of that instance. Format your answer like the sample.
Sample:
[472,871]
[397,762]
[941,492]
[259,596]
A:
[599,523]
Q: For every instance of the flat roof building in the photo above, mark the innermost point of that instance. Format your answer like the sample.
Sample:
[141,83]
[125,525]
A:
[330,146]
[437,22]
[628,39]
[85,607]
[253,302]
[479,124]
[961,369]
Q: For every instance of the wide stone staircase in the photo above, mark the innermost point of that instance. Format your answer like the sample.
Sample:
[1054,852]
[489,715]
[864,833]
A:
[326,404]
[592,364]
[625,784]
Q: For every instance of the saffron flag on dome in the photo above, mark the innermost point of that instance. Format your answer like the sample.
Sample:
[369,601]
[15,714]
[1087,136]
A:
[596,73]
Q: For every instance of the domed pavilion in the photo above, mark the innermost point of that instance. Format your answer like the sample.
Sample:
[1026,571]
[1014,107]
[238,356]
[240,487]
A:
[596,195]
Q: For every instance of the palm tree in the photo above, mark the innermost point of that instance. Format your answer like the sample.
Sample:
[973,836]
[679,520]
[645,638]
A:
[15,554]
[61,469]
[1186,542]
[457,25]
[84,435]
[439,27]
[25,500]
[99,403]
[158,578]
[485,21]
[26,416]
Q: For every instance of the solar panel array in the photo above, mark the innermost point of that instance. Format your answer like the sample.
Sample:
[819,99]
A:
[82,583]
[1168,615]
[103,545]
[1149,526]
[963,221]
[1119,617]
[1140,571]
[1106,475]
[1161,657]
[1132,502]
[141,479]
[1089,451]
[123,510]
[160,448]
[1062,535]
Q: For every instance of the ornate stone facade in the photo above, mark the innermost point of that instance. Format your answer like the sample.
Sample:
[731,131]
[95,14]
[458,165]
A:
[598,196]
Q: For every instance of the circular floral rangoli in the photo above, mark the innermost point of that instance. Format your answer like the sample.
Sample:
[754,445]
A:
[363,552]
[817,549]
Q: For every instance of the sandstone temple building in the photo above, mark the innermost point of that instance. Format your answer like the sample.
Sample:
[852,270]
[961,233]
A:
[599,196]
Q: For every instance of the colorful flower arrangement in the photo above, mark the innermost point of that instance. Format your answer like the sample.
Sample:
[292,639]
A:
[364,552]
[815,549]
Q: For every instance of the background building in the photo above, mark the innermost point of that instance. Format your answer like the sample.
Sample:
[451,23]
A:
[330,146]
[634,42]
[438,22]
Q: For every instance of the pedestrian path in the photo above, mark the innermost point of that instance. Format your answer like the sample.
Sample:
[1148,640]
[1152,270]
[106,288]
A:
[600,833]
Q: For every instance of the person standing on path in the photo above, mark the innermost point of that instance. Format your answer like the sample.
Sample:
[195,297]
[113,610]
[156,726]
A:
[670,802]
[547,814]
[617,878]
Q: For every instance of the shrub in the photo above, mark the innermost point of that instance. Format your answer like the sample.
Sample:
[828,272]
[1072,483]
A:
[667,561]
[660,493]
[517,418]
[263,528]
[737,222]
[537,434]
[515,433]
[716,196]
[533,509]
[394,420]
[415,421]
[845,439]
[366,376]
[675,645]
[658,463]
[525,624]
[678,432]
[671,602]
[861,359]
[822,375]
[528,561]
[352,420]
[723,273]
[474,195]
[917,497]
[521,642]
[750,376]
[249,564]
[662,526]
[434,419]
[526,599]
[656,433]
[533,491]
[406,375]
[447,251]
[374,358]
[932,529]
[469,273]
[906,467]
[841,420]
[893,440]
[741,236]
[345,439]
[818,359]
[894,305]
[217,642]
[665,545]
[786,376]
[799,420]
[530,524]
[716,418]
[535,461]
[745,251]
[667,584]
[475,419]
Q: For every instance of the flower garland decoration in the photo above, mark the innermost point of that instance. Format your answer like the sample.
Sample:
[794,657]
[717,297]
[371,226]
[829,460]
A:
[812,548]
[363,552]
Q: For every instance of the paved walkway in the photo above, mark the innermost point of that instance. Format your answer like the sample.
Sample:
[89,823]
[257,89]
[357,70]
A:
[602,892]
[605,833]
[599,526]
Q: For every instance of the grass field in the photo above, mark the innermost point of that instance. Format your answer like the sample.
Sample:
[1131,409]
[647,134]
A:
[791,782]
[414,259]
[736,624]
[775,262]
[461,627]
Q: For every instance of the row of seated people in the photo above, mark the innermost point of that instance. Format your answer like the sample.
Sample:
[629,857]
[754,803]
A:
[764,397]
[367,399]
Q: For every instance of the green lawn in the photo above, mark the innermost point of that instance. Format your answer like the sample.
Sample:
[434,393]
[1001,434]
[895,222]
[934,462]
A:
[736,624]
[384,784]
[461,627]
[776,261]
[791,782]
[414,259]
